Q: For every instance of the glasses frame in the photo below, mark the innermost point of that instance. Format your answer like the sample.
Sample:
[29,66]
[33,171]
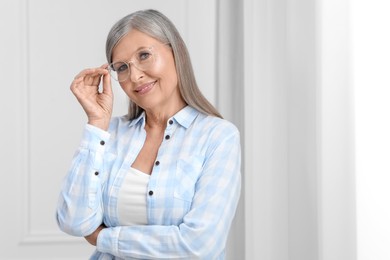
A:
[129,63]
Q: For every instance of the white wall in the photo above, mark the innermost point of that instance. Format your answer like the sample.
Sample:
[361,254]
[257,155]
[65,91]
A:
[279,69]
[371,56]
[299,165]
[44,44]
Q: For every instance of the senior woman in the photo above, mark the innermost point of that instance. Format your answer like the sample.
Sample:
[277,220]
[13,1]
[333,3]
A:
[163,181]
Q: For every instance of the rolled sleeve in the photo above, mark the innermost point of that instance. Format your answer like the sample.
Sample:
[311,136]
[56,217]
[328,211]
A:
[94,138]
[108,240]
[79,211]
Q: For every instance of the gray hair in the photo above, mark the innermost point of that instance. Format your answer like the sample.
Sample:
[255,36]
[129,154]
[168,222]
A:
[158,26]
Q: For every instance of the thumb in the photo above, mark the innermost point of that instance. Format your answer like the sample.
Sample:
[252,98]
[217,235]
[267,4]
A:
[107,88]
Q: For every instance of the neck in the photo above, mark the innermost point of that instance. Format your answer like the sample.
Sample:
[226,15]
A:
[158,118]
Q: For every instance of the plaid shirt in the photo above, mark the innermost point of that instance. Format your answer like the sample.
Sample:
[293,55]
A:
[192,193]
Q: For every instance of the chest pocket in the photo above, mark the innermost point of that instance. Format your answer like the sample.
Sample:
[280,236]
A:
[188,170]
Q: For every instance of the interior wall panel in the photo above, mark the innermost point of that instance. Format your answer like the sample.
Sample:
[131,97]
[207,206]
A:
[48,44]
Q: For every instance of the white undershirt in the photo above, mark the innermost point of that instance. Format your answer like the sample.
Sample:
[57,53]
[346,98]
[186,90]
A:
[132,199]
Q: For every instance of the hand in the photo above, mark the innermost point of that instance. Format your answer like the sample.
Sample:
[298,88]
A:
[97,105]
[92,238]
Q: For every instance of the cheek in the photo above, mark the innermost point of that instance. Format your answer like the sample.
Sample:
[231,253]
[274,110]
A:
[167,73]
[127,88]
[124,86]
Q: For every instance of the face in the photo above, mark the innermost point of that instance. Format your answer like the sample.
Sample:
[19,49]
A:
[155,86]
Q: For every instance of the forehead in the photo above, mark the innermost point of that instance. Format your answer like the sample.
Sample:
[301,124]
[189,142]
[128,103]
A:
[131,43]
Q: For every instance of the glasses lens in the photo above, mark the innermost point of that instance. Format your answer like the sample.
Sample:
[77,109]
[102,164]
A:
[119,71]
[143,61]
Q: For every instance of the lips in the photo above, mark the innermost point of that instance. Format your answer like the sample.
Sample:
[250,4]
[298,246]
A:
[145,88]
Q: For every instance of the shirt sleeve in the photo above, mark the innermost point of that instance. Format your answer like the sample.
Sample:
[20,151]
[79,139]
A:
[205,228]
[79,209]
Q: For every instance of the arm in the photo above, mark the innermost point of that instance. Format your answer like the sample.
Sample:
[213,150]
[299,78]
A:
[79,209]
[205,228]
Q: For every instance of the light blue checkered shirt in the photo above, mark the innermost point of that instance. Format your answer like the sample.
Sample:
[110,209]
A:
[192,193]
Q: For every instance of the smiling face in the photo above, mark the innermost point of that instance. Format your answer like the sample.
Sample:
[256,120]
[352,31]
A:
[155,87]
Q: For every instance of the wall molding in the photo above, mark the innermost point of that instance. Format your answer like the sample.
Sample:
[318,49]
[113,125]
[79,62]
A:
[25,119]
[336,178]
[28,236]
[50,238]
[31,231]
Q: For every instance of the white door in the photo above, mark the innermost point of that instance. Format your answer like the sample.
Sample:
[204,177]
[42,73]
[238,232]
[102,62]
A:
[44,44]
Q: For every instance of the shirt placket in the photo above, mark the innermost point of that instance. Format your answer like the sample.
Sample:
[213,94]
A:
[159,164]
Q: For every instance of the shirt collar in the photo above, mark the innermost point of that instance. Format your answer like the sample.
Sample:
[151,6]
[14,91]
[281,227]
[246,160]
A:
[140,118]
[184,117]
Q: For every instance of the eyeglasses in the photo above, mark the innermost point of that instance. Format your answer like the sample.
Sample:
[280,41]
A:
[142,60]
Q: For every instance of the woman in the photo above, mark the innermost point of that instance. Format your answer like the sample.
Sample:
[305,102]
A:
[162,182]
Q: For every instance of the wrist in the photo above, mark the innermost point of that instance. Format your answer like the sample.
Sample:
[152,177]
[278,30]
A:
[102,124]
[92,238]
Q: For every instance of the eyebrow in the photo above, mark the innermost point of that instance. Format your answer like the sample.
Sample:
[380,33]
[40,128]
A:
[135,52]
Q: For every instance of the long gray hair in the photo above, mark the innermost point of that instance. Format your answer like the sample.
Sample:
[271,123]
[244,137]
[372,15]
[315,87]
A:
[158,26]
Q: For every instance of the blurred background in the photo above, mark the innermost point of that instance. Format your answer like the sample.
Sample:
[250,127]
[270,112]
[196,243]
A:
[305,81]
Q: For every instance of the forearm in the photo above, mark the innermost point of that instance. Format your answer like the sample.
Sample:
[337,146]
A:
[79,209]
[154,242]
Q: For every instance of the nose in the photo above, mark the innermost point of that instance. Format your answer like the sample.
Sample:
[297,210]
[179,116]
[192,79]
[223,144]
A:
[135,73]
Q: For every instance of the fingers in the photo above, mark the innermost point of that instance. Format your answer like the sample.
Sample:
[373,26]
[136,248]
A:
[93,72]
[107,88]
[90,77]
[104,66]
[93,77]
[76,83]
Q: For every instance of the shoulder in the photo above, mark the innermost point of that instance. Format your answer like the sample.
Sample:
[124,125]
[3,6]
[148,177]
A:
[119,124]
[216,124]
[217,134]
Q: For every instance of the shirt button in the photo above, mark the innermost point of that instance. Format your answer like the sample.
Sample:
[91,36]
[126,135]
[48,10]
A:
[170,122]
[102,142]
[150,193]
[167,137]
[157,163]
[96,173]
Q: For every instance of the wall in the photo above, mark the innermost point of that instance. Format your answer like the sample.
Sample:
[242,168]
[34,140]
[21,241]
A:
[371,55]
[278,69]
[44,45]
[299,165]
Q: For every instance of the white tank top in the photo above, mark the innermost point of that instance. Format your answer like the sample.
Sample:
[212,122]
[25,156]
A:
[132,199]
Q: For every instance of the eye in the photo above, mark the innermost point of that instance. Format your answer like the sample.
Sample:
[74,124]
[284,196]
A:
[121,67]
[144,55]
